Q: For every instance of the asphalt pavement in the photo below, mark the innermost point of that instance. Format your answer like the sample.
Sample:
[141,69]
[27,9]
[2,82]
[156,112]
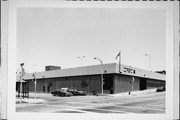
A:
[141,103]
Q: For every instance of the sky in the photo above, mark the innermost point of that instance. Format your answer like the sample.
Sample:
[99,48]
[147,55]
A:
[58,36]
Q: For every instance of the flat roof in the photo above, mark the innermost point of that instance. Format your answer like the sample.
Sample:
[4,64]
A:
[111,68]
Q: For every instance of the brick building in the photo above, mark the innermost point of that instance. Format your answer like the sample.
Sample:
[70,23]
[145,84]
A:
[88,78]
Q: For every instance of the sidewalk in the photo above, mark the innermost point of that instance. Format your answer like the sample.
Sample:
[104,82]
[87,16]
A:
[30,100]
[134,93]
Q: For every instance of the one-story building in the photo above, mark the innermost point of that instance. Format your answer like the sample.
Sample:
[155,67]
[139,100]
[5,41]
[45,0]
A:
[116,79]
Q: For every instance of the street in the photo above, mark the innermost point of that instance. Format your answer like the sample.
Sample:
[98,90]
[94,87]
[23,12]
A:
[143,103]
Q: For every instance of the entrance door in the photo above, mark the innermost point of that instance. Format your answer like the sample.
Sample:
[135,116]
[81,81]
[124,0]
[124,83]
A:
[44,89]
[143,83]
[108,84]
[48,90]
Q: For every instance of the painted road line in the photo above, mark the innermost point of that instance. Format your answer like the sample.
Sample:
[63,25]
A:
[94,108]
[140,108]
[111,111]
[86,109]
[73,106]
[77,110]
[75,103]
[89,105]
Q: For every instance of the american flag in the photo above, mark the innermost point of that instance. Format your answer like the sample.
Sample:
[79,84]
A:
[118,55]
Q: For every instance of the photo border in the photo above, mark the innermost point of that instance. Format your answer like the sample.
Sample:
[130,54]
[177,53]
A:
[4,59]
[172,58]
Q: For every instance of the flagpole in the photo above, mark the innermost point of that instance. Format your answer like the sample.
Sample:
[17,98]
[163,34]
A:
[119,55]
[119,61]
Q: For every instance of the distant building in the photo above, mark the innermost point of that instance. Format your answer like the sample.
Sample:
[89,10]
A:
[88,78]
[51,67]
[161,72]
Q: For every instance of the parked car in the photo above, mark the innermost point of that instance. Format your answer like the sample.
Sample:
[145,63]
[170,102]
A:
[62,92]
[161,89]
[75,92]
[82,93]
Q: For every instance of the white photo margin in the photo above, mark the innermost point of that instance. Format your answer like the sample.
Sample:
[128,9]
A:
[172,59]
[4,59]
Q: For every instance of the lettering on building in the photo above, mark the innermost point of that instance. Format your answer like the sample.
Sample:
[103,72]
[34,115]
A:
[129,70]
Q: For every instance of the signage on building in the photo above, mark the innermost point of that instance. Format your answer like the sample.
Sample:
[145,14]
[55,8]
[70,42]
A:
[129,70]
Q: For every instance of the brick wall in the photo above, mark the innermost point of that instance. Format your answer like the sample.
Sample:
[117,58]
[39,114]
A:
[87,83]
[122,83]
[91,83]
[39,86]
[154,83]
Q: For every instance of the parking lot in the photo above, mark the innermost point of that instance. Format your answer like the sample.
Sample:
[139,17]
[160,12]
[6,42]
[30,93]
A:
[142,103]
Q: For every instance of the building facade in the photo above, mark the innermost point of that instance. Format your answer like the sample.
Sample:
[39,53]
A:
[88,78]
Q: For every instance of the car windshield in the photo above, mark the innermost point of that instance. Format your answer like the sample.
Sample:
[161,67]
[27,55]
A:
[64,89]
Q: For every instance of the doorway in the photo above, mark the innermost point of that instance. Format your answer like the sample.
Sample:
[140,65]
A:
[48,90]
[44,89]
[108,84]
[143,84]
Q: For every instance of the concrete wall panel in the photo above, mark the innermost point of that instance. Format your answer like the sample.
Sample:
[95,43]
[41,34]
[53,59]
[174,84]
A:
[154,83]
[123,84]
[86,83]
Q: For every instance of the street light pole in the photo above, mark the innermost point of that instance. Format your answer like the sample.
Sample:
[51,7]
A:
[35,82]
[22,64]
[132,83]
[149,61]
[101,74]
[81,58]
